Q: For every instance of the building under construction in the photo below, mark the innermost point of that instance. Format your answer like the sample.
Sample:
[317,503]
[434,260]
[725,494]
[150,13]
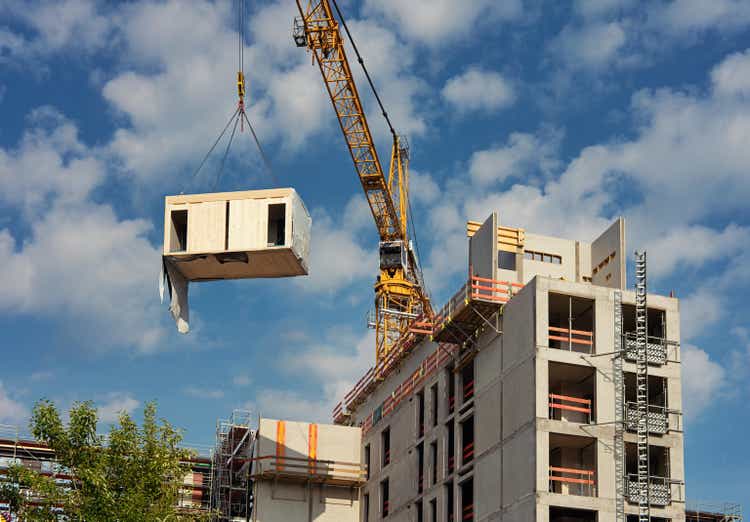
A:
[544,390]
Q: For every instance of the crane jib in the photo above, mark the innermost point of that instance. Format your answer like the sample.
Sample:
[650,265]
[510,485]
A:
[324,39]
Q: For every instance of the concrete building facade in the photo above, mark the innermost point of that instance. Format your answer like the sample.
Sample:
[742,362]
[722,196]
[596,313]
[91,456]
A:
[516,422]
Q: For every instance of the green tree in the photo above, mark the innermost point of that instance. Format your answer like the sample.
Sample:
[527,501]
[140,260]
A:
[133,474]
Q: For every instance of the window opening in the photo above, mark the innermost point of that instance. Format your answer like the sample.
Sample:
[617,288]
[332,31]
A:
[276,224]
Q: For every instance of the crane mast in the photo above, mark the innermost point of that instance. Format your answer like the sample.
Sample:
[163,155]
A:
[400,296]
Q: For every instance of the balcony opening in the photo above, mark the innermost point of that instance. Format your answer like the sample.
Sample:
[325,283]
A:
[366,508]
[658,415]
[179,230]
[384,494]
[451,447]
[433,510]
[450,379]
[420,413]
[561,514]
[467,440]
[276,224]
[571,393]
[419,509]
[571,323]
[449,502]
[385,444]
[434,462]
[467,381]
[467,500]
[572,465]
[656,347]
[420,467]
[660,489]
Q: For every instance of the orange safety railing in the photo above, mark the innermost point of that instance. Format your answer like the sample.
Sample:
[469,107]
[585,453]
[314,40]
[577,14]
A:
[584,478]
[468,390]
[468,452]
[451,463]
[563,402]
[571,337]
[428,366]
[324,469]
[451,403]
[492,289]
[468,512]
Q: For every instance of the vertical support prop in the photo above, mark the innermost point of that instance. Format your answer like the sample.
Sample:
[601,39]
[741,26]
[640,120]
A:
[619,383]
[641,341]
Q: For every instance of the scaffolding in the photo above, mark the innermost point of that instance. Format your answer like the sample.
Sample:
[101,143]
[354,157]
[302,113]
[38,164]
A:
[619,382]
[231,487]
[641,332]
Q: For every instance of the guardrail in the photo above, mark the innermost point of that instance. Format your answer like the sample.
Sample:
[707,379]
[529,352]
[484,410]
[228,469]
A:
[572,337]
[583,478]
[563,402]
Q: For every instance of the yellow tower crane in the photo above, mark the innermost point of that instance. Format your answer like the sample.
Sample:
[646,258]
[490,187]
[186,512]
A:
[400,295]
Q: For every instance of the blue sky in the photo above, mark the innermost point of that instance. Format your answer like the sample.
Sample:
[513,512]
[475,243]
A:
[560,116]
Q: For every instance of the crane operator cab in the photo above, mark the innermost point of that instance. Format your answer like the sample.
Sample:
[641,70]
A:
[393,256]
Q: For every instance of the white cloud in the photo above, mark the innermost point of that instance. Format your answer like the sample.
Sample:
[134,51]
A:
[337,257]
[699,311]
[332,366]
[11,411]
[524,154]
[681,16]
[440,22]
[693,246]
[732,76]
[290,405]
[64,25]
[179,68]
[112,404]
[592,45]
[477,89]
[203,393]
[702,381]
[79,259]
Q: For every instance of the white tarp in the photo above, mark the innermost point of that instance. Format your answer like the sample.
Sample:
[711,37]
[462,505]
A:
[178,292]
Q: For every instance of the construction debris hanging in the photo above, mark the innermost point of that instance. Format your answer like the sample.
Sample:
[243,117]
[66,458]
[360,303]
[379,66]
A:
[231,235]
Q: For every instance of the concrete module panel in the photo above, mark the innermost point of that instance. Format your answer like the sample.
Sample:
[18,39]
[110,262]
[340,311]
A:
[231,235]
[236,235]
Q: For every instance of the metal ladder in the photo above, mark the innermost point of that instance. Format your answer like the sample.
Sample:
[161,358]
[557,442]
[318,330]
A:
[618,377]
[641,342]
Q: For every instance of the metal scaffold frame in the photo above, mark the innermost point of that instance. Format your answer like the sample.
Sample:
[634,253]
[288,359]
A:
[230,473]
[619,382]
[641,336]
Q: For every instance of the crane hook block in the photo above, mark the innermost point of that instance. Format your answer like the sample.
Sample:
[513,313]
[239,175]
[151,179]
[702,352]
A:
[240,85]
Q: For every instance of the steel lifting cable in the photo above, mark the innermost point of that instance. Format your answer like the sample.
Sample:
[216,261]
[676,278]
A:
[239,115]
[224,158]
[231,118]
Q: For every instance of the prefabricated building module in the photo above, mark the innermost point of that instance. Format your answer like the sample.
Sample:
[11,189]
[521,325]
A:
[231,235]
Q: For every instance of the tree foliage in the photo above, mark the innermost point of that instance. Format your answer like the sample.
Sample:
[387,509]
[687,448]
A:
[132,474]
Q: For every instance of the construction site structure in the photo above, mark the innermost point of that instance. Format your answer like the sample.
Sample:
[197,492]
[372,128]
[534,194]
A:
[231,235]
[286,471]
[508,409]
